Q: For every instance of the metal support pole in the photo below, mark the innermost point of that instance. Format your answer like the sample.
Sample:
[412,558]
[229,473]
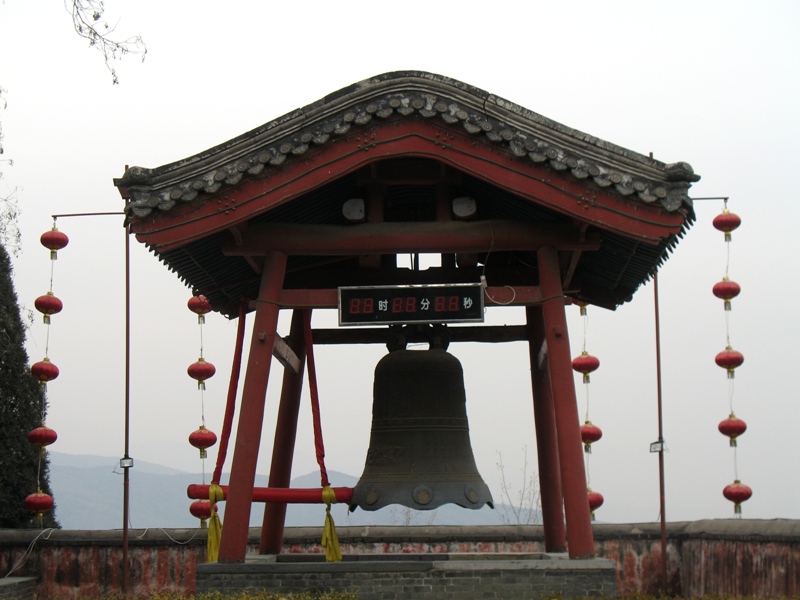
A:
[555,537]
[126,458]
[126,462]
[661,484]
[233,545]
[559,360]
[280,472]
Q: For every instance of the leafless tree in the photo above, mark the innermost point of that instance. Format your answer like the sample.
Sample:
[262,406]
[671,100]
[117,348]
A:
[405,516]
[523,506]
[88,18]
[9,209]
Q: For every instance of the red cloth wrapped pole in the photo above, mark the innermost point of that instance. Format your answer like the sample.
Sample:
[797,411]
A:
[288,495]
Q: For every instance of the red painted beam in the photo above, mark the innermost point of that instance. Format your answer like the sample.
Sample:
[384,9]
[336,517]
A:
[400,238]
[280,471]
[580,542]
[555,535]
[287,495]
[233,544]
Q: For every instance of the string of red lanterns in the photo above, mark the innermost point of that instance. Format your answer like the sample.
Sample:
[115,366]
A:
[45,371]
[585,364]
[730,359]
[202,438]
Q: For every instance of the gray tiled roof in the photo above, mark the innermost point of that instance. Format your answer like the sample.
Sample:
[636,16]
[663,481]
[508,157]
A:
[516,130]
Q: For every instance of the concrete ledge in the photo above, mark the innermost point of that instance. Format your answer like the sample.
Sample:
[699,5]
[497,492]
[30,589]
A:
[18,588]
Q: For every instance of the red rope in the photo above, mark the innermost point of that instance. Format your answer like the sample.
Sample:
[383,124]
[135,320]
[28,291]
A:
[312,384]
[233,387]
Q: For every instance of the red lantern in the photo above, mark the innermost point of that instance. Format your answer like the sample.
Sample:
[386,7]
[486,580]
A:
[589,434]
[200,306]
[726,290]
[585,363]
[39,502]
[733,428]
[44,371]
[42,436]
[595,501]
[202,439]
[48,305]
[54,240]
[201,370]
[737,493]
[202,510]
[729,359]
[727,222]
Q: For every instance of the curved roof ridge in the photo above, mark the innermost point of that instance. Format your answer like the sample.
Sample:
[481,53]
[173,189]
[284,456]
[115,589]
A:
[521,132]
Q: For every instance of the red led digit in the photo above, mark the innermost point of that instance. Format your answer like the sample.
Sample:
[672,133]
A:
[439,303]
[397,305]
[369,306]
[355,306]
[411,304]
[452,304]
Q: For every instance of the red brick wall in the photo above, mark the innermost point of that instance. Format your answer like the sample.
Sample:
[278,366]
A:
[726,557]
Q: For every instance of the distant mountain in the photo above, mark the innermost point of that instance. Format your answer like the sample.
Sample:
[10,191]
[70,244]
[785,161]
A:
[88,494]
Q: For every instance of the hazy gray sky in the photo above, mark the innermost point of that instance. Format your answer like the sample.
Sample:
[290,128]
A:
[712,83]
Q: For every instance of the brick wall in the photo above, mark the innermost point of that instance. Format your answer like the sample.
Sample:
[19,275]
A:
[421,578]
[739,557]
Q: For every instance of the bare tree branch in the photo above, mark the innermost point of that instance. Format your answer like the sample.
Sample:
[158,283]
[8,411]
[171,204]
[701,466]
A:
[89,23]
[9,209]
[521,507]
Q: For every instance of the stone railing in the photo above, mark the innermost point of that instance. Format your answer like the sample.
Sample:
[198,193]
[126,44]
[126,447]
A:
[725,557]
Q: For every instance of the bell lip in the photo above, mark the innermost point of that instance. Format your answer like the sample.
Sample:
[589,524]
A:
[402,494]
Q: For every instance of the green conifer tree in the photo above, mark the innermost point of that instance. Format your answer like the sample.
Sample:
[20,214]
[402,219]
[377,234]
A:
[22,408]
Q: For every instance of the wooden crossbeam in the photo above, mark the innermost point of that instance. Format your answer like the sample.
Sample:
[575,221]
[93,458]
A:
[378,335]
[399,238]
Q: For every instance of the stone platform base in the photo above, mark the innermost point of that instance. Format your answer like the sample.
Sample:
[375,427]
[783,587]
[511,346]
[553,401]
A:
[416,576]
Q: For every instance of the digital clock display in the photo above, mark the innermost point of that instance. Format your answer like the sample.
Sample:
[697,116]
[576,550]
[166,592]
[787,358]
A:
[382,305]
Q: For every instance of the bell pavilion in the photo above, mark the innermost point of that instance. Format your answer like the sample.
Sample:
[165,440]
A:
[311,210]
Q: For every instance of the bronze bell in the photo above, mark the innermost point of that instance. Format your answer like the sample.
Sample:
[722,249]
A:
[419,451]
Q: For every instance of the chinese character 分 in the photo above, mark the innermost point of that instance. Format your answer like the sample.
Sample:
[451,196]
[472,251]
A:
[425,304]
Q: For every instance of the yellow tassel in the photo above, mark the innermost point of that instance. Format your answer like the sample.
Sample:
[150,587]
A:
[329,539]
[215,525]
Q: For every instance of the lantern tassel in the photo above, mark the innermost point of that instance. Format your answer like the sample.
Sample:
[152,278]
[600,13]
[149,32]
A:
[330,541]
[215,528]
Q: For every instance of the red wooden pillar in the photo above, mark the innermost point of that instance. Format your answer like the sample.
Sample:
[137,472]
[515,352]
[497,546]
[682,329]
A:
[280,472]
[233,545]
[546,438]
[559,361]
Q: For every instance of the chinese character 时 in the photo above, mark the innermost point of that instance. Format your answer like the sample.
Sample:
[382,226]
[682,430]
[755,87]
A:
[383,305]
